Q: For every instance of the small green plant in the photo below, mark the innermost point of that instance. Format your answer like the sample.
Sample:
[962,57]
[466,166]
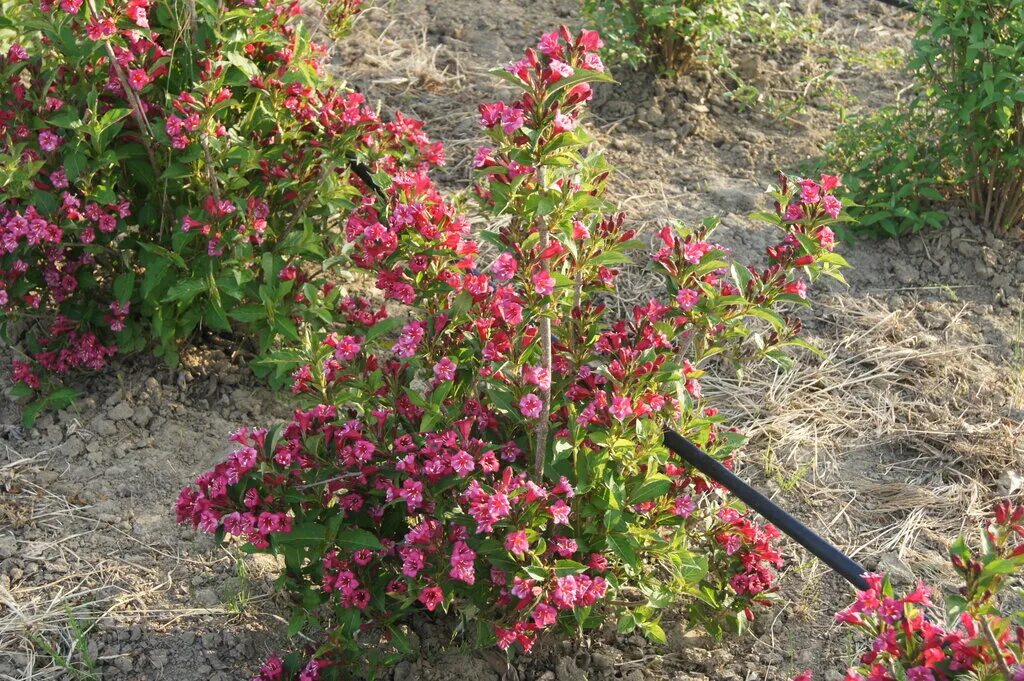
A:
[672,35]
[75,661]
[959,138]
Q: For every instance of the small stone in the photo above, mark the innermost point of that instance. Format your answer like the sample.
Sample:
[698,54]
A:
[698,108]
[142,416]
[121,412]
[158,658]
[104,427]
[8,546]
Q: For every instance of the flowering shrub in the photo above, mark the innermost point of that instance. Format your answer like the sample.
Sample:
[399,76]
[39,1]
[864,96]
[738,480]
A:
[491,443]
[960,136]
[673,35]
[167,167]
[974,640]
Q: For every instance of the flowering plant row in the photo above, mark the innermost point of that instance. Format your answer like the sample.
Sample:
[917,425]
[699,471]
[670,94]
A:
[489,442]
[910,639]
[173,167]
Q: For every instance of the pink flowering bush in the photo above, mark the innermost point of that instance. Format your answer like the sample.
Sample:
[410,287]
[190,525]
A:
[490,442]
[168,168]
[909,639]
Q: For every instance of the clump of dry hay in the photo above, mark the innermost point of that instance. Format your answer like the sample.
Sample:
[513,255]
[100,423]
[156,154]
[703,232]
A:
[898,439]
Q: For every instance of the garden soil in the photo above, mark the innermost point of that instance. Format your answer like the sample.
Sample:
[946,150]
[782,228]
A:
[890,444]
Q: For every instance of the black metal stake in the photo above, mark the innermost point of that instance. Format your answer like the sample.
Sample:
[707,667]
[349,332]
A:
[848,568]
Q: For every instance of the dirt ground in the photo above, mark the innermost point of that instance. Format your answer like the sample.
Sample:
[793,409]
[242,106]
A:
[889,446]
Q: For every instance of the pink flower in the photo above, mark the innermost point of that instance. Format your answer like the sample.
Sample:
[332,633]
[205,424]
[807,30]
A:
[530,406]
[48,140]
[517,542]
[590,41]
[544,615]
[71,6]
[693,251]
[833,206]
[549,44]
[687,298]
[136,11]
[537,376]
[431,597]
[505,266]
[793,213]
[810,192]
[444,370]
[683,506]
[560,512]
[827,238]
[797,286]
[138,78]
[621,408]
[543,283]
[462,463]
[16,53]
[564,123]
[511,120]
[559,70]
[482,157]
[829,182]
[804,676]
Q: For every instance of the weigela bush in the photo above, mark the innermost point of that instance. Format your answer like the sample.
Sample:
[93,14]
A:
[909,638]
[489,443]
[958,137]
[174,166]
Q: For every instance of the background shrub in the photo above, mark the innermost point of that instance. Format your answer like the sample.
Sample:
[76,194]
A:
[670,34]
[960,136]
[173,167]
[491,443]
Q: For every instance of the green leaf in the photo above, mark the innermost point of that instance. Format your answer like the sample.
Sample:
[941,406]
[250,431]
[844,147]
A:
[123,286]
[354,539]
[382,328]
[624,546]
[654,487]
[185,290]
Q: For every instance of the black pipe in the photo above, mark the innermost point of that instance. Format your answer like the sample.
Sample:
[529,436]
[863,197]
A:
[848,568]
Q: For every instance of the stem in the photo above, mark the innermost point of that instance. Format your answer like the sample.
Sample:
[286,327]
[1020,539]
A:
[541,432]
[994,642]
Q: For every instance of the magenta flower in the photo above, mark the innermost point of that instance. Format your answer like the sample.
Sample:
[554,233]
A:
[444,370]
[511,120]
[833,206]
[829,182]
[517,543]
[543,283]
[561,69]
[463,463]
[794,212]
[560,512]
[16,53]
[544,615]
[505,266]
[687,298]
[797,286]
[48,140]
[530,406]
[621,408]
[810,192]
[683,506]
[138,78]
[431,597]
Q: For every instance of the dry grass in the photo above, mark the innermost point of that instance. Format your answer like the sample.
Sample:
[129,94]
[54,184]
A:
[49,616]
[893,441]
